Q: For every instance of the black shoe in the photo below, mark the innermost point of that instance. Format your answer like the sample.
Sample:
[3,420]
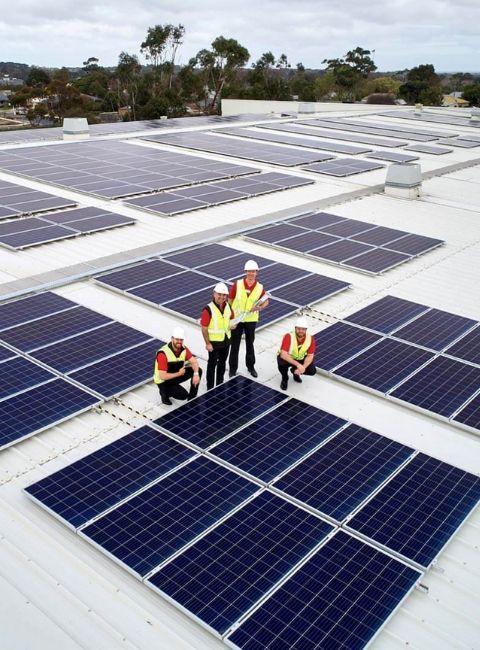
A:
[253,372]
[167,401]
[284,384]
[297,378]
[232,373]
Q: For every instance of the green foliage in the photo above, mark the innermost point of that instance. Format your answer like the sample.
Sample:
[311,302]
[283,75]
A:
[37,77]
[349,72]
[471,93]
[422,85]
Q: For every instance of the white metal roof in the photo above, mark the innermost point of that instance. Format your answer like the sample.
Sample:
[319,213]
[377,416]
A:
[56,589]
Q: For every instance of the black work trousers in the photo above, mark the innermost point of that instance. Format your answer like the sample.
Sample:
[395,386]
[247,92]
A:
[284,366]
[249,330]
[172,388]
[217,361]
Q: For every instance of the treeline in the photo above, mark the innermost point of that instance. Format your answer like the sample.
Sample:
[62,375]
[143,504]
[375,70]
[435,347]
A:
[161,87]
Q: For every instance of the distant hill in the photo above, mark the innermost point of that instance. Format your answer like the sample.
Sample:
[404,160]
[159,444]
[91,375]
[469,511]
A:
[16,70]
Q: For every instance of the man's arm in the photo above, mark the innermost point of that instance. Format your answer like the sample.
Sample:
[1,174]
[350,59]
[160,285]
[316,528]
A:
[289,359]
[165,376]
[195,367]
[208,345]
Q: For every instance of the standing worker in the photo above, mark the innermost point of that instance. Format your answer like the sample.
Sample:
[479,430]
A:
[171,369]
[216,325]
[296,352]
[248,299]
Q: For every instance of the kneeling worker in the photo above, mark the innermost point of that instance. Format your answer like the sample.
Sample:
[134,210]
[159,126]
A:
[174,364]
[216,322]
[296,353]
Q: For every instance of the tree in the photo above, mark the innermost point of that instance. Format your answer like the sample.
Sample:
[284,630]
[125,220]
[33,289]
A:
[349,71]
[361,61]
[128,73]
[91,64]
[324,86]
[422,85]
[37,78]
[471,93]
[160,48]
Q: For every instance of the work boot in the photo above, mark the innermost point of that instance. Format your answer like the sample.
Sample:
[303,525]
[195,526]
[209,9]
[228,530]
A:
[167,401]
[297,378]
[253,372]
[284,384]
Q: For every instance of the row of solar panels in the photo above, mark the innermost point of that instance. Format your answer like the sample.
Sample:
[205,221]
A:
[232,514]
[348,242]
[16,200]
[58,359]
[182,282]
[425,357]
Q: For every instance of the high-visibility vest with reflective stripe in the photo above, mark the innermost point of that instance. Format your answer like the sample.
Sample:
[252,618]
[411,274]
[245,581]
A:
[171,360]
[219,326]
[243,302]
[298,353]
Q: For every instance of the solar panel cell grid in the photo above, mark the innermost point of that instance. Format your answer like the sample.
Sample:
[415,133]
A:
[340,342]
[468,347]
[233,267]
[348,228]
[308,128]
[435,329]
[27,309]
[146,530]
[307,242]
[379,235]
[341,250]
[222,575]
[172,287]
[414,244]
[469,415]
[201,255]
[310,290]
[386,314]
[139,274]
[38,236]
[275,233]
[276,311]
[376,261]
[19,374]
[5,353]
[317,221]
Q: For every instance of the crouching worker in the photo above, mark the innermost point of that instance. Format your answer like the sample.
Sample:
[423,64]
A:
[296,353]
[174,364]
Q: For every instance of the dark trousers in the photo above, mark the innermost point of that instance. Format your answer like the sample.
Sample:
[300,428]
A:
[249,330]
[283,367]
[172,388]
[217,361]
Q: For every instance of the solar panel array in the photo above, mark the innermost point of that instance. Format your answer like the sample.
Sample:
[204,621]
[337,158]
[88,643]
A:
[207,195]
[426,358]
[33,231]
[230,508]
[82,355]
[16,200]
[460,142]
[267,153]
[183,282]
[427,148]
[356,244]
[427,116]
[381,129]
[113,169]
[343,167]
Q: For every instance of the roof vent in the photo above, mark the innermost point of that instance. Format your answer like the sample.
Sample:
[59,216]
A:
[418,109]
[404,180]
[75,128]
[306,107]
[475,114]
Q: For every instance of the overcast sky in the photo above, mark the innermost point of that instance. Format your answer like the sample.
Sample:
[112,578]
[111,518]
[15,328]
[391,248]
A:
[403,33]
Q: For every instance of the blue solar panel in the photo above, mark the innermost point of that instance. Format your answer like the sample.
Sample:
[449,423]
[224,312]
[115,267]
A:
[201,255]
[339,342]
[277,275]
[308,241]
[379,236]
[174,287]
[310,290]
[377,260]
[38,408]
[233,267]
[384,365]
[339,599]
[19,374]
[468,347]
[276,441]
[89,347]
[91,485]
[212,416]
[27,309]
[53,328]
[136,275]
[348,228]
[221,576]
[275,233]
[418,511]
[386,314]
[144,531]
[442,386]
[276,310]
[5,353]
[344,471]
[122,372]
[470,414]
[191,305]
[414,244]
[435,329]
[317,221]
[340,250]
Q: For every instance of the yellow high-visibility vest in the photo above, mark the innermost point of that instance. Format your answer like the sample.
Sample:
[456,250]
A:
[171,358]
[298,353]
[219,326]
[243,302]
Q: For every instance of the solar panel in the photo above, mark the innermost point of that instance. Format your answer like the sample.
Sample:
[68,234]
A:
[342,167]
[375,129]
[469,415]
[86,488]
[459,142]
[18,199]
[275,233]
[25,239]
[392,156]
[340,342]
[87,348]
[435,329]
[19,374]
[191,305]
[348,228]
[430,117]
[275,311]
[224,574]
[146,530]
[318,220]
[310,290]
[379,236]
[442,386]
[24,310]
[427,148]
[468,347]
[414,244]
[340,598]
[53,328]
[309,128]
[403,130]
[215,414]
[344,471]
[101,222]
[307,242]
[273,443]
[139,274]
[386,314]
[20,225]
[173,287]
[41,407]
[341,250]
[233,267]
[201,255]
[384,365]
[376,261]
[5,353]
[417,512]
[120,373]
[277,275]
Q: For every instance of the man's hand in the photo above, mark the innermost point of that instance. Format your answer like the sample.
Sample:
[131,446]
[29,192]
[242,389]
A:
[299,371]
[181,372]
[209,347]
[195,379]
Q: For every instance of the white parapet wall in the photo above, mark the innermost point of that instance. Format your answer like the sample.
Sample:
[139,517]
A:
[258,106]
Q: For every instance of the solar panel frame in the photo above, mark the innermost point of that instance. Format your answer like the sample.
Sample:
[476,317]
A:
[342,167]
[138,275]
[435,329]
[397,312]
[377,261]
[339,337]
[467,347]
[310,290]
[414,244]
[20,374]
[317,220]
[25,310]
[468,415]
[172,287]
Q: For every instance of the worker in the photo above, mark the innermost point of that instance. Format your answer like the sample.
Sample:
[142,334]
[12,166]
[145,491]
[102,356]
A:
[174,364]
[247,298]
[296,353]
[216,321]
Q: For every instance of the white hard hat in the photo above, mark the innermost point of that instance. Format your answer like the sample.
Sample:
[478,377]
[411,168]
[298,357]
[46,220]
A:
[178,333]
[301,322]
[251,265]
[221,287]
